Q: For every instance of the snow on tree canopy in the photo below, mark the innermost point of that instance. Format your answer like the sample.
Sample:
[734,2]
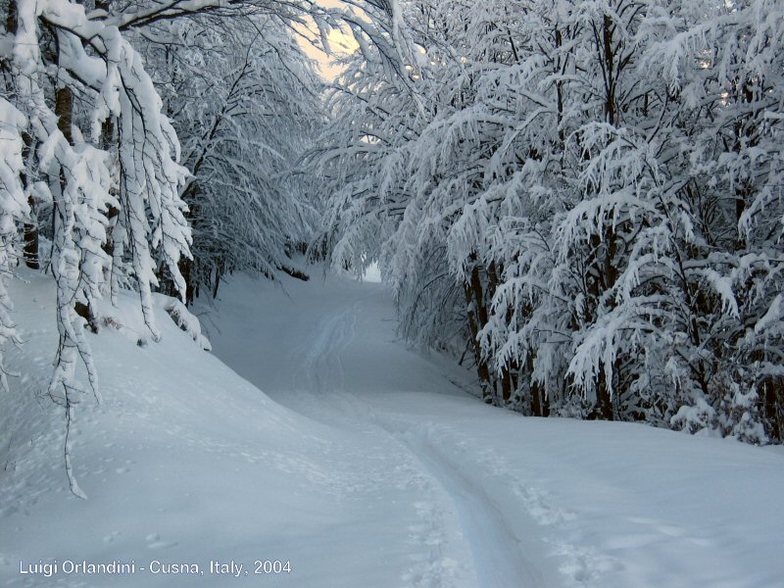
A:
[589,205]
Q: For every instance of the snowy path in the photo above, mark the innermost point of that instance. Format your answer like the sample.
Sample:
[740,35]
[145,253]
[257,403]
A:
[497,553]
[533,502]
[346,363]
[362,462]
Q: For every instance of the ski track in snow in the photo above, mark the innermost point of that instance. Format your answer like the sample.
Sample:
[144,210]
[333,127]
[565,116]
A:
[324,378]
[497,552]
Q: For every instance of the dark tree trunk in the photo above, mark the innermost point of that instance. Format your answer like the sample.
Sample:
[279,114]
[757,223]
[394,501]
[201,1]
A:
[603,410]
[772,399]
[540,405]
[611,107]
[216,284]
[12,18]
[64,110]
[186,270]
[31,256]
[477,319]
[507,376]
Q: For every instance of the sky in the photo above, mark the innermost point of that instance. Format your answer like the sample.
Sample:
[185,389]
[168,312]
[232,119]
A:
[341,43]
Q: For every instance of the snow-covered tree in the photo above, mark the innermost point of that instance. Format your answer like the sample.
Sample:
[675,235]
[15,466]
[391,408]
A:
[55,54]
[244,100]
[601,181]
[90,155]
[99,167]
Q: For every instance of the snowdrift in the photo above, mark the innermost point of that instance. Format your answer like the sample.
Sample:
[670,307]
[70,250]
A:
[183,462]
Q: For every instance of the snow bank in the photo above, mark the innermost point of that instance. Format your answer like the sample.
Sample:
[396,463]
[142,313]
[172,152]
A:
[183,462]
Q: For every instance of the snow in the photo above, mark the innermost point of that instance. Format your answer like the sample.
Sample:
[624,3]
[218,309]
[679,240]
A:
[363,463]
[372,274]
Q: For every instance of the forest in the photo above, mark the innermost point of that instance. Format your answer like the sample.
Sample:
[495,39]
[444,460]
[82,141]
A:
[580,200]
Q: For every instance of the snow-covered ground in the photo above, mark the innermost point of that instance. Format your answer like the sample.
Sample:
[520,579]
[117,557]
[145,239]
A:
[363,464]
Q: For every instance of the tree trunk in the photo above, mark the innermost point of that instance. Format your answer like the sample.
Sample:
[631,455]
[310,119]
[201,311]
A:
[31,256]
[610,106]
[772,399]
[540,405]
[64,110]
[186,270]
[603,410]
[477,318]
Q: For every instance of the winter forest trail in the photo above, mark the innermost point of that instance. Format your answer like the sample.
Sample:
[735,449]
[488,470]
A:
[458,535]
[479,496]
[360,461]
[498,557]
